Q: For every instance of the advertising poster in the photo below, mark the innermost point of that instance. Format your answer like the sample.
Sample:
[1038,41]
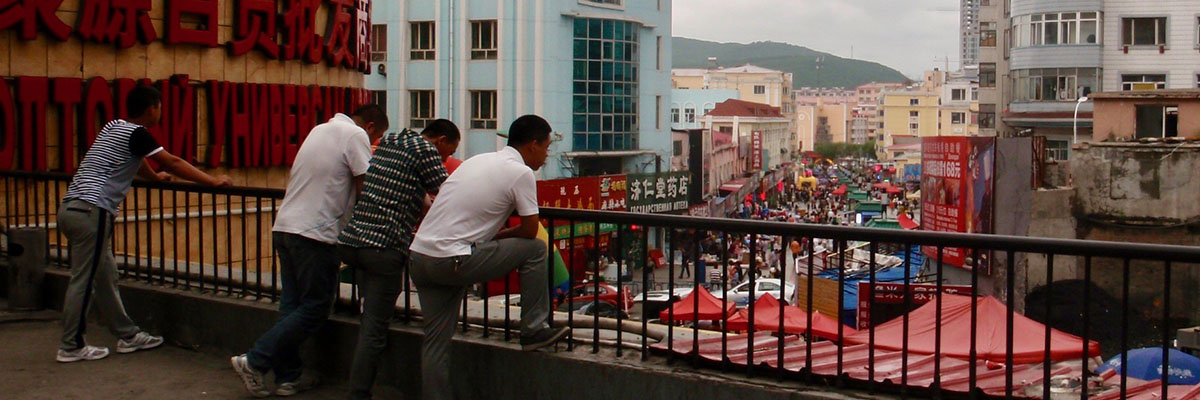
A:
[957,181]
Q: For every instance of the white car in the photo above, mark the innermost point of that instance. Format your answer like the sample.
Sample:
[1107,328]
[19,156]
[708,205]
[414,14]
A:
[740,294]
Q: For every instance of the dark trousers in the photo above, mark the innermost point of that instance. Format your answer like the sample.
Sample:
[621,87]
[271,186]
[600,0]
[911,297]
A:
[380,279]
[308,273]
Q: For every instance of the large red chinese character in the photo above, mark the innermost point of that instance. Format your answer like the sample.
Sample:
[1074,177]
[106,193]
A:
[29,13]
[255,27]
[337,38]
[204,34]
[121,21]
[300,38]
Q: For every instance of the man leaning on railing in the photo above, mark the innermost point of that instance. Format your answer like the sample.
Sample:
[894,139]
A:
[86,218]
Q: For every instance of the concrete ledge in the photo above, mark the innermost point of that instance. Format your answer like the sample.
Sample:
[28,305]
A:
[484,368]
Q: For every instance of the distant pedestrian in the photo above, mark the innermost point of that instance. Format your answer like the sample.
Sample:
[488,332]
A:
[86,217]
[325,180]
[461,243]
[405,168]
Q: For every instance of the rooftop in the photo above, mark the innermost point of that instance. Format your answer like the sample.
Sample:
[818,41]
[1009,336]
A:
[742,108]
[1181,94]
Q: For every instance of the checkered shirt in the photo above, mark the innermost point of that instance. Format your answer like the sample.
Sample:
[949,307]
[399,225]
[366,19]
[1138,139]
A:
[405,167]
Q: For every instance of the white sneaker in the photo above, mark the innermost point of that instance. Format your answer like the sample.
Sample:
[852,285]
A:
[305,382]
[140,341]
[85,353]
[253,379]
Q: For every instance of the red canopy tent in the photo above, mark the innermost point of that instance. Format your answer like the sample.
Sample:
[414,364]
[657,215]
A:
[709,310]
[894,189]
[991,325]
[906,222]
[840,191]
[795,320]
[880,185]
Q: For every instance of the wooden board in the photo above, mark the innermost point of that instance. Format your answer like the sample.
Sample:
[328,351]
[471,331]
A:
[825,295]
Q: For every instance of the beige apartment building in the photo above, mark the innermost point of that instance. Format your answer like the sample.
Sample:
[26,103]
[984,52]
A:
[753,83]
[909,113]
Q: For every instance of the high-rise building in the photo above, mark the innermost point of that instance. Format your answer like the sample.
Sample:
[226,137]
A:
[597,70]
[969,31]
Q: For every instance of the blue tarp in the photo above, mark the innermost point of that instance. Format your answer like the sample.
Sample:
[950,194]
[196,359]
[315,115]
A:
[893,274]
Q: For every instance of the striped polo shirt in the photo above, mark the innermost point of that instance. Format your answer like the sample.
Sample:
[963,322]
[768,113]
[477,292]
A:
[108,168]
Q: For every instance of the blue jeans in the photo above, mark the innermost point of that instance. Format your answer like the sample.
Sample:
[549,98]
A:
[380,278]
[308,273]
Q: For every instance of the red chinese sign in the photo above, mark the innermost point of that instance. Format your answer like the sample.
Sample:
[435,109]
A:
[893,293]
[257,25]
[956,192]
[756,147]
[577,193]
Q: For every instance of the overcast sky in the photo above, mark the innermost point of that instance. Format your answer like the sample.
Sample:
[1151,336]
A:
[903,34]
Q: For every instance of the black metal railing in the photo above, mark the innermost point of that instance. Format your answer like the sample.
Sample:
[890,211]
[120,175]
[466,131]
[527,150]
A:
[217,240]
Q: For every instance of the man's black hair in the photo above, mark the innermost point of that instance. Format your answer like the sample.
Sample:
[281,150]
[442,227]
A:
[140,99]
[442,128]
[528,128]
[372,112]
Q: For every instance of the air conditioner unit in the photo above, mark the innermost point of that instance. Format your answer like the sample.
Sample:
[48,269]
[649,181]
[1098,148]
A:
[382,68]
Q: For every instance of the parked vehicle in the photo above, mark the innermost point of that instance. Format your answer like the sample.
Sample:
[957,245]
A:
[602,308]
[740,294]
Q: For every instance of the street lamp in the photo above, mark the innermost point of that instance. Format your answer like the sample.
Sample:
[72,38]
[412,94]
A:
[1075,120]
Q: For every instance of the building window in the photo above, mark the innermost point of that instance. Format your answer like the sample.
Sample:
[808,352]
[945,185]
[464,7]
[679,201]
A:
[657,112]
[421,108]
[422,42]
[760,89]
[1143,82]
[958,118]
[914,114]
[379,97]
[1157,121]
[378,42]
[914,128]
[483,40]
[958,94]
[987,116]
[987,75]
[689,115]
[1056,29]
[1057,150]
[605,85]
[678,144]
[1198,81]
[617,3]
[913,102]
[483,109]
[674,115]
[1055,84]
[1144,31]
[987,34]
[708,109]
[658,54]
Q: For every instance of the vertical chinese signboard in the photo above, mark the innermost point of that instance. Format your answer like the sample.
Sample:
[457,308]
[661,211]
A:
[756,151]
[663,192]
[957,185]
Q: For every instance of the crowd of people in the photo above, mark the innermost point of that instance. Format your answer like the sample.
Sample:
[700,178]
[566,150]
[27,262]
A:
[380,211]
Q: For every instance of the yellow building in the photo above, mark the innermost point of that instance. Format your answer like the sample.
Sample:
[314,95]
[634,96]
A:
[753,83]
[909,113]
[822,123]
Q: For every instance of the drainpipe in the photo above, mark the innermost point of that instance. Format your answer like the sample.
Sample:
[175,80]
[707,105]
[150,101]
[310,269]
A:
[450,51]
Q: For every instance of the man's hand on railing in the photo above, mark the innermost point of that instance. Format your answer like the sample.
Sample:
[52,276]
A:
[222,181]
[162,176]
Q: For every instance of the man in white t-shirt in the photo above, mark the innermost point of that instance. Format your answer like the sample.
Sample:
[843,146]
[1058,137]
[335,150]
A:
[461,243]
[324,182]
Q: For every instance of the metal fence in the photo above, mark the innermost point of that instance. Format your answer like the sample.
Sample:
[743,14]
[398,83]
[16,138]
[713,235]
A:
[217,240]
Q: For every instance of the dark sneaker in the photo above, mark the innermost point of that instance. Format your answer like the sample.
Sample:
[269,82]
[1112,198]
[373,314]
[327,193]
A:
[305,382]
[140,341]
[85,353]
[253,379]
[542,338]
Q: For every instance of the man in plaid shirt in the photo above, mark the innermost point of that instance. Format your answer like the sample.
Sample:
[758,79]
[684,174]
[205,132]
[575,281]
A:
[406,167]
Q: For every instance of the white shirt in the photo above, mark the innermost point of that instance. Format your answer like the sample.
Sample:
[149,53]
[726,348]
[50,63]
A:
[474,202]
[320,191]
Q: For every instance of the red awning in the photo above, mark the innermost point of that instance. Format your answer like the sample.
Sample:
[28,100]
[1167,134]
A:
[709,310]
[906,222]
[894,190]
[881,185]
[732,186]
[840,191]
[795,320]
[990,344]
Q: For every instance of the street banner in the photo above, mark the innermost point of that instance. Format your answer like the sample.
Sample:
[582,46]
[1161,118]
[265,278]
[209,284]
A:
[888,295]
[663,192]
[756,153]
[956,192]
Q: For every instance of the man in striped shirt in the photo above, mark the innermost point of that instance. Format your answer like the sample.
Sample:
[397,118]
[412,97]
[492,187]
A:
[86,218]
[406,167]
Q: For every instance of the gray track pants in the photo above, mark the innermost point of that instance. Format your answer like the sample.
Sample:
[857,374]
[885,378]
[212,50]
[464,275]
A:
[93,273]
[441,283]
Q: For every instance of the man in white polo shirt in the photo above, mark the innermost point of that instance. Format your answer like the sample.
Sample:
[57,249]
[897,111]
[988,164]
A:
[461,243]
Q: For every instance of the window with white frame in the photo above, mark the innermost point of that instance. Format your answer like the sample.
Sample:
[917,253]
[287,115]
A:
[378,42]
[760,89]
[1143,81]
[483,109]
[421,105]
[689,115]
[987,34]
[1054,29]
[1148,31]
[483,40]
[913,114]
[958,118]
[1057,150]
[958,94]
[674,115]
[913,102]
[987,116]
[1055,84]
[422,41]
